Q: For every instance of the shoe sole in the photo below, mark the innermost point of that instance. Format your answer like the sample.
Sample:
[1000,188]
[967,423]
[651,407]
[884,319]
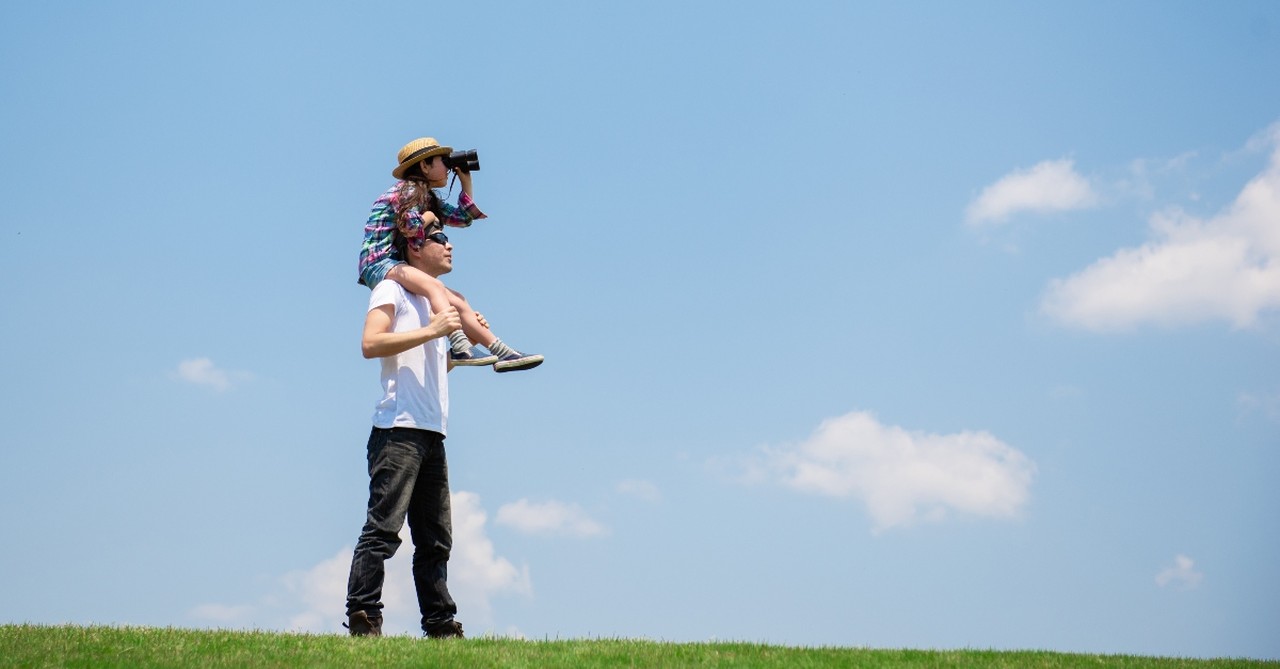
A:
[527,362]
[475,362]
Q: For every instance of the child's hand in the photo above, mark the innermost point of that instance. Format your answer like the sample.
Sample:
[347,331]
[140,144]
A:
[429,219]
[464,179]
[480,318]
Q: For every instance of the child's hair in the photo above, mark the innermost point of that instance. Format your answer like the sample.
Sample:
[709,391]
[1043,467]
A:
[401,245]
[412,193]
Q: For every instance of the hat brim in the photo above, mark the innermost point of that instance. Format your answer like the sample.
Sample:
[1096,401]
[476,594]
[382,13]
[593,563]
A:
[419,156]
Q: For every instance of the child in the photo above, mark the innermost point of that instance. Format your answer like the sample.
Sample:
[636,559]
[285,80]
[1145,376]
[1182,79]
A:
[412,209]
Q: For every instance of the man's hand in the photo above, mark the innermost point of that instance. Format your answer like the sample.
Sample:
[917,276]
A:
[480,318]
[445,321]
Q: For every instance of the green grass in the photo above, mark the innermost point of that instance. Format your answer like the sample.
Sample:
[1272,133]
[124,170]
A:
[141,647]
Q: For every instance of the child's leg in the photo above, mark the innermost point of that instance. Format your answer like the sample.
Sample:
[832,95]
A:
[509,359]
[475,331]
[419,282]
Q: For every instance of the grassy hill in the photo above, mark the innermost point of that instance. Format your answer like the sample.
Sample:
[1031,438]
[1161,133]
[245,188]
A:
[139,647]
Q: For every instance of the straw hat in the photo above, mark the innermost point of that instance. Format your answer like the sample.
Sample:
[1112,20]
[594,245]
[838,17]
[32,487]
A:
[416,151]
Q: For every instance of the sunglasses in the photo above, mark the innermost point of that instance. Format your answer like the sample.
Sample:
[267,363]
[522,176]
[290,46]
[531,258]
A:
[437,237]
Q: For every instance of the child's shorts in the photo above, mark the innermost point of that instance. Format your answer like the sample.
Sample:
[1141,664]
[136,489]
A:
[376,272]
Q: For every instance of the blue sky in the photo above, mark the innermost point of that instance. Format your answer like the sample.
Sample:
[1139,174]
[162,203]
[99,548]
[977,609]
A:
[894,325]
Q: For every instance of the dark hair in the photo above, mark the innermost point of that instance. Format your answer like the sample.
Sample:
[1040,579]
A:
[401,245]
[414,193]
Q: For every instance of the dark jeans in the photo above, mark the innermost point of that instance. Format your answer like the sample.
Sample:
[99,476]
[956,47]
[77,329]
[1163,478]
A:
[408,476]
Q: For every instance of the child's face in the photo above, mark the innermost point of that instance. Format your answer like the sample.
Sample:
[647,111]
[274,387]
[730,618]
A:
[437,174]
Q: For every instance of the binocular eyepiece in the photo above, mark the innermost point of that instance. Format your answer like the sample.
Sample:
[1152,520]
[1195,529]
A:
[467,161]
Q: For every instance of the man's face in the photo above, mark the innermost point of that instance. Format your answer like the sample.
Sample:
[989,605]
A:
[437,174]
[436,255]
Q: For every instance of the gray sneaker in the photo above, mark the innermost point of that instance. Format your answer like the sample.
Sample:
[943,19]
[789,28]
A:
[476,357]
[517,361]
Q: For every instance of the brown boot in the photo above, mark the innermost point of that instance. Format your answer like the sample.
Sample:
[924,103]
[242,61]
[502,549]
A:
[361,624]
[449,630]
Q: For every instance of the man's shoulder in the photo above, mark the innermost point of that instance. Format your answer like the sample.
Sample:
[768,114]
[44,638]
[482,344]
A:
[387,292]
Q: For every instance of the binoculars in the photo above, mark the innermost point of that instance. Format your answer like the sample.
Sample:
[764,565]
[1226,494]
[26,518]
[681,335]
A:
[467,161]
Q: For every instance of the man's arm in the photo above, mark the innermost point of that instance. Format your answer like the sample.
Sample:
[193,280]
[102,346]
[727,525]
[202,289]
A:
[380,342]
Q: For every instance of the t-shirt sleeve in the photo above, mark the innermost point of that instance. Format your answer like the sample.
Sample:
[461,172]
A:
[463,214]
[383,294]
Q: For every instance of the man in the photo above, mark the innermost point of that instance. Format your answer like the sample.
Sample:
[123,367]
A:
[408,474]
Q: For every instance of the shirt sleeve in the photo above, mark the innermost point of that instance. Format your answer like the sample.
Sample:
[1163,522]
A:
[383,294]
[461,215]
[412,227]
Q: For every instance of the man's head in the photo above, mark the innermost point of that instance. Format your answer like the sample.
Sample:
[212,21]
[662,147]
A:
[433,253]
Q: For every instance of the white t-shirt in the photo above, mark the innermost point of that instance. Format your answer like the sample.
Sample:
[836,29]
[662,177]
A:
[415,387]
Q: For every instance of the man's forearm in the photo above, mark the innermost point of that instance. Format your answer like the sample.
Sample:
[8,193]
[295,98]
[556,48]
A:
[387,344]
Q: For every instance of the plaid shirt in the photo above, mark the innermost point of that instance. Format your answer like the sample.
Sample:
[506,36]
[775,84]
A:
[380,229]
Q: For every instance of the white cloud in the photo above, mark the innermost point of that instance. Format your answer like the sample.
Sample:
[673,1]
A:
[549,517]
[1052,185]
[1066,391]
[644,490]
[318,594]
[1182,574]
[1143,175]
[202,372]
[903,476]
[479,572]
[314,599]
[1266,405]
[1224,268]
